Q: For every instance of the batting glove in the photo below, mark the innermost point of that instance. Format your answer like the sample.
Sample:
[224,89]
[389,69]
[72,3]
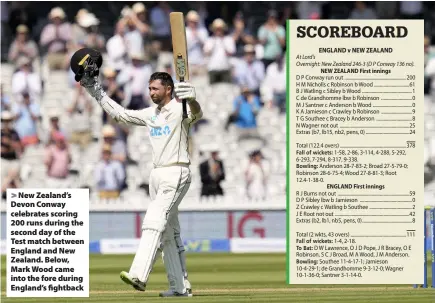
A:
[93,87]
[185,91]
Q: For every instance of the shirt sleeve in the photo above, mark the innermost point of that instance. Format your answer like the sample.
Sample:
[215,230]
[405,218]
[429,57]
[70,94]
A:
[66,32]
[209,43]
[261,73]
[230,45]
[124,76]
[33,48]
[34,83]
[268,83]
[115,48]
[193,118]
[47,156]
[98,174]
[120,173]
[13,51]
[262,34]
[121,114]
[239,72]
[121,148]
[257,103]
[236,103]
[203,35]
[35,109]
[15,109]
[281,32]
[47,35]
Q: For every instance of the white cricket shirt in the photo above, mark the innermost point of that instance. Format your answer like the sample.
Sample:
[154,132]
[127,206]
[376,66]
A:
[167,132]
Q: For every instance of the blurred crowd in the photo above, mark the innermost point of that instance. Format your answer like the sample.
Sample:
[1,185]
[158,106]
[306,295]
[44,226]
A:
[225,51]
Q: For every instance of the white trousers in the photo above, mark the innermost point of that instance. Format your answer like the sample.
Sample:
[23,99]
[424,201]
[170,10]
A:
[58,183]
[168,186]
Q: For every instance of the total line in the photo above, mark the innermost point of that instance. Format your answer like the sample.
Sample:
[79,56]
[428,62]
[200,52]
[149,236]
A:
[372,147]
[377,236]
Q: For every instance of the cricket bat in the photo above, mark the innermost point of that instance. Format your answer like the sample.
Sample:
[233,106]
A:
[179,46]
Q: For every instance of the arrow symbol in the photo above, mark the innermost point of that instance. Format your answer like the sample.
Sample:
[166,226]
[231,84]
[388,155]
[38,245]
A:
[13,195]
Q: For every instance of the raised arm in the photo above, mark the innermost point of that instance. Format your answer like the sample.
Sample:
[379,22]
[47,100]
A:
[113,109]
[186,91]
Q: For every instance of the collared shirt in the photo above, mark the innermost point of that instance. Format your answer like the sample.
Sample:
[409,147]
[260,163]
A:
[275,80]
[56,37]
[195,44]
[139,82]
[58,162]
[219,47]
[30,50]
[78,33]
[25,125]
[134,42]
[246,117]
[109,175]
[250,75]
[26,82]
[134,81]
[160,22]
[167,131]
[117,52]
[272,48]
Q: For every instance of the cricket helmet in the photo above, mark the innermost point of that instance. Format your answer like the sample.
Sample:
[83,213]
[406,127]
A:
[86,60]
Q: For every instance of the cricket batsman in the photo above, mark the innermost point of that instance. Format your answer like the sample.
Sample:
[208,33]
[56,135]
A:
[169,180]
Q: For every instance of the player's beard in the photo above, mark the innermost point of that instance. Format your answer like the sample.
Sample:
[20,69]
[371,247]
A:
[158,100]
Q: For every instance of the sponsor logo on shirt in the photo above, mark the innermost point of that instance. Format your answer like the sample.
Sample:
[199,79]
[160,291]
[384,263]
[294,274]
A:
[160,131]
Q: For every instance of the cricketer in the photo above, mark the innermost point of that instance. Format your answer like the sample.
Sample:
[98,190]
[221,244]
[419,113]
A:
[169,180]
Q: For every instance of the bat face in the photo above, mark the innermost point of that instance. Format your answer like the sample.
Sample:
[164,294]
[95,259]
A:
[179,46]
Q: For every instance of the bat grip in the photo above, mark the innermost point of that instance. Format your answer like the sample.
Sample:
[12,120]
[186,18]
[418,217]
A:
[184,109]
[184,103]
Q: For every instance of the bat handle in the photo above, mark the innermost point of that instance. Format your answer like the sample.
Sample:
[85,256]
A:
[184,109]
[184,103]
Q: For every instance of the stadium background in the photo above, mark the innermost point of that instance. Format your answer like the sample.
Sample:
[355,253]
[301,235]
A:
[233,215]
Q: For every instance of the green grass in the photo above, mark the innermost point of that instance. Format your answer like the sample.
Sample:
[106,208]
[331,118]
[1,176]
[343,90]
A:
[227,278]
